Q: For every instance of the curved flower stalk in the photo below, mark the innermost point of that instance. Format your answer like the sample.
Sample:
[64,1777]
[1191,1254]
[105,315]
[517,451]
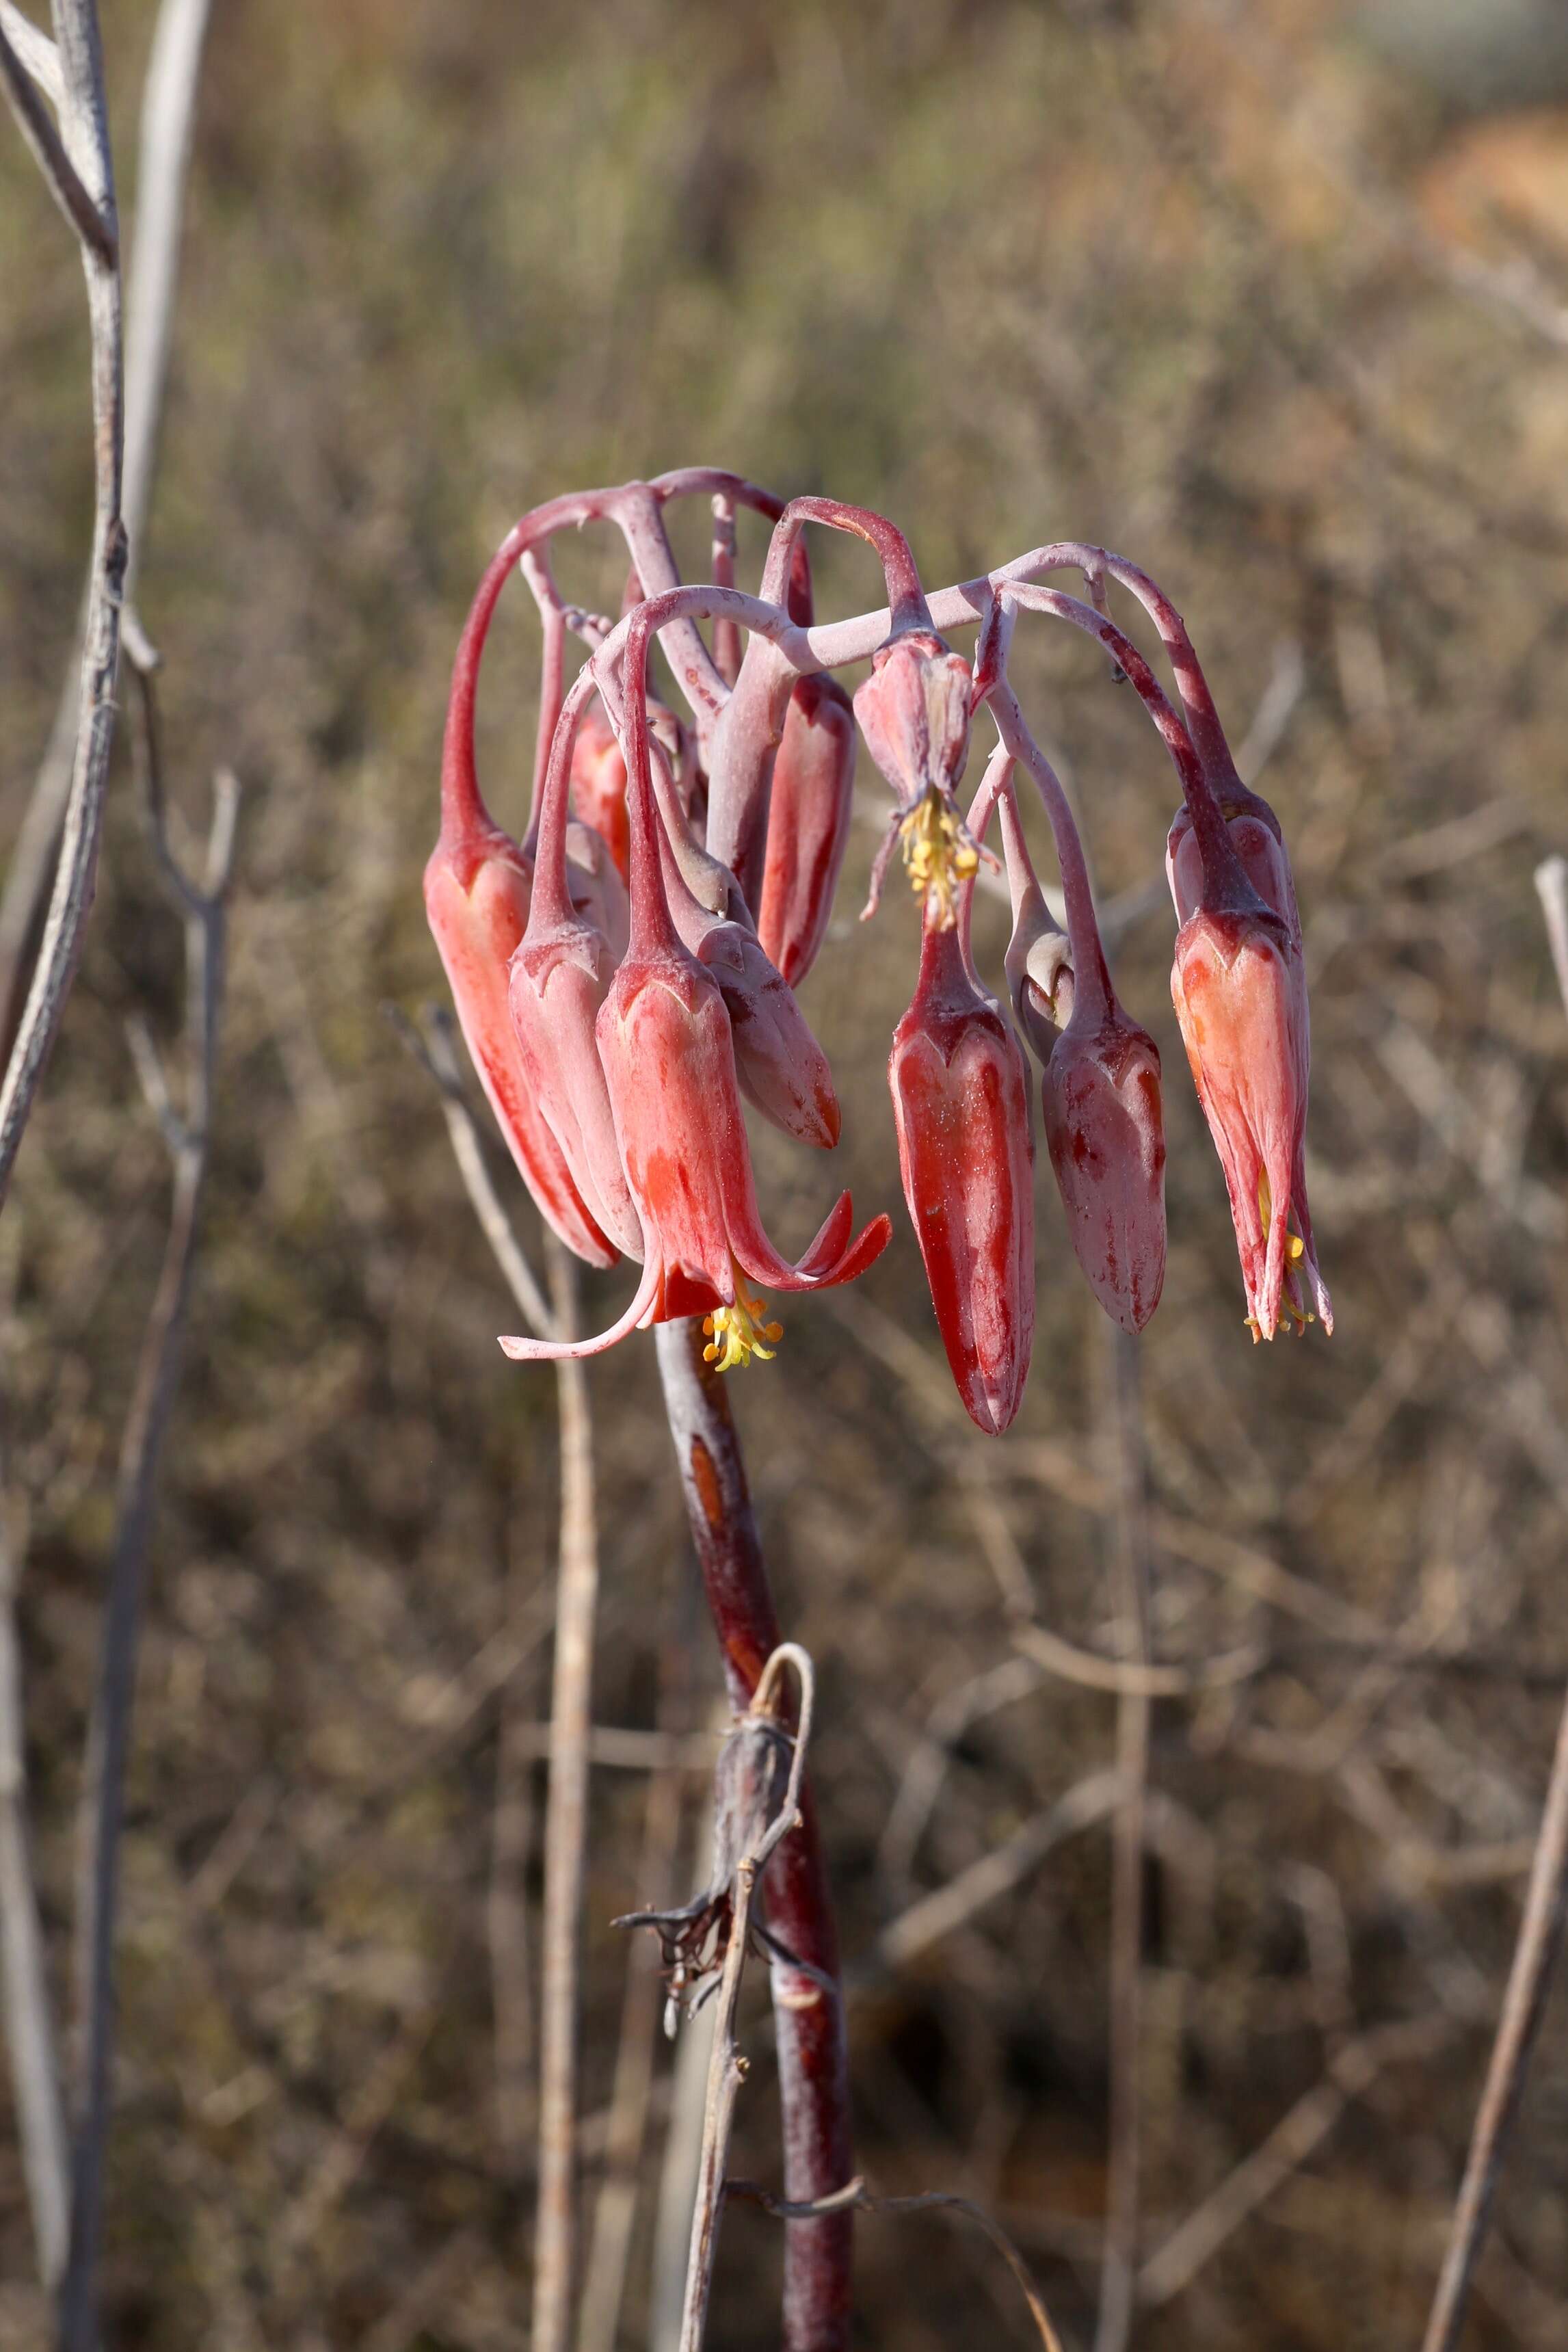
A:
[664,1047]
[1239,986]
[1100,1086]
[960,1103]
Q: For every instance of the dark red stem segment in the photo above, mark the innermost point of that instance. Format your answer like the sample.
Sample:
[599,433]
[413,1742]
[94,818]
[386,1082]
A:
[814,2055]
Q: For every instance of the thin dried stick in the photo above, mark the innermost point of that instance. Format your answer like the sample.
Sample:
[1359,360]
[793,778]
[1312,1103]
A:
[30,2012]
[1545,1909]
[1133,1712]
[512,1836]
[726,2067]
[95,228]
[857,2196]
[186,1133]
[84,138]
[937,1914]
[1353,2069]
[615,2208]
[813,2062]
[566,1819]
[566,1831]
[168,108]
[436,1052]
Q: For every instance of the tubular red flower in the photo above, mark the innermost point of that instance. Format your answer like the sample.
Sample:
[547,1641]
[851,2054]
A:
[668,1059]
[960,1103]
[1239,984]
[559,977]
[1100,1097]
[807,824]
[477,888]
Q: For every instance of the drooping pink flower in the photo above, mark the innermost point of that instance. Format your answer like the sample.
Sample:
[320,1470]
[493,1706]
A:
[960,1103]
[913,711]
[807,824]
[666,1049]
[558,979]
[477,888]
[1100,1097]
[1239,984]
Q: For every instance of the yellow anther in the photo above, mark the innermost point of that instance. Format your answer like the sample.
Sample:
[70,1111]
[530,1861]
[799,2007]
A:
[938,853]
[737,1333]
[1295,1247]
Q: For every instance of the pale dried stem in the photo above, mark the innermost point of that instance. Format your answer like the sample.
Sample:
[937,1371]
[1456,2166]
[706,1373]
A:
[168,108]
[566,1833]
[1541,1930]
[186,1132]
[807,2004]
[29,2010]
[726,2067]
[1131,1558]
[614,2212]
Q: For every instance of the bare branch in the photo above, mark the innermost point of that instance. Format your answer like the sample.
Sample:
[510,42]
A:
[1352,2071]
[85,137]
[167,113]
[141,1447]
[49,155]
[855,2196]
[566,1833]
[438,1058]
[36,50]
[1541,1930]
[29,2016]
[1130,1546]
[726,2068]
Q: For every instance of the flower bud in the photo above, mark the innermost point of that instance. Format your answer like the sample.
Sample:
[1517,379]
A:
[807,824]
[1240,997]
[1238,984]
[1100,1097]
[960,1103]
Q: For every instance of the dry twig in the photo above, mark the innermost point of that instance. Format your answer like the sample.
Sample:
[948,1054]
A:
[726,2068]
[186,1132]
[1545,1909]
[855,2195]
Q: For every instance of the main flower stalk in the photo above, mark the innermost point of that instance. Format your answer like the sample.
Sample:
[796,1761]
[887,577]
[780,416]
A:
[813,2056]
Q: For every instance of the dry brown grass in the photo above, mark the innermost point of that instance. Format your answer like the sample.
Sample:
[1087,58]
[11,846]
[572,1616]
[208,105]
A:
[1005,270]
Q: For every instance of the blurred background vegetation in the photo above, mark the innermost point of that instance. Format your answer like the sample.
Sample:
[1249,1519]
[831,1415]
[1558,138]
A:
[1270,295]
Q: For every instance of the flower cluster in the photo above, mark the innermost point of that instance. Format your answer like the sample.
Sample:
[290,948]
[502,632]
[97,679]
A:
[625,974]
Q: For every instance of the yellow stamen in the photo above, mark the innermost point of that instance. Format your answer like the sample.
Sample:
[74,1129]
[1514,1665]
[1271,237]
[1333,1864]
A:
[1295,1247]
[737,1333]
[938,853]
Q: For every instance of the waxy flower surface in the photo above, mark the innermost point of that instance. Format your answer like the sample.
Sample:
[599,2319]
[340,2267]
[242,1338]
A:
[807,824]
[1238,984]
[1100,1097]
[960,1103]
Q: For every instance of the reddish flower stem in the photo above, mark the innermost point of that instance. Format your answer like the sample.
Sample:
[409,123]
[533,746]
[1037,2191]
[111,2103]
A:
[813,2058]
